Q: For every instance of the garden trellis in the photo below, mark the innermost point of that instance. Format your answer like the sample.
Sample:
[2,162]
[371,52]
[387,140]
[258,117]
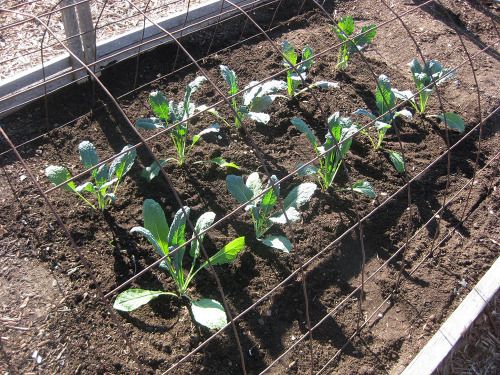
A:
[87,65]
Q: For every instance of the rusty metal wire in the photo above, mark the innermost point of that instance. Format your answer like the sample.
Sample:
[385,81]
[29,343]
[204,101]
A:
[356,228]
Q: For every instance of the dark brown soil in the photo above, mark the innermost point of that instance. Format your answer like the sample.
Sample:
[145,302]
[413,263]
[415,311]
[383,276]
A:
[50,303]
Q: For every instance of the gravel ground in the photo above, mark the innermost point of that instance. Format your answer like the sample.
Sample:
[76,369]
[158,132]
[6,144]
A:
[20,44]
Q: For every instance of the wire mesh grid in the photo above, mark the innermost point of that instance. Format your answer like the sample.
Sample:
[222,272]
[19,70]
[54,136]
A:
[100,98]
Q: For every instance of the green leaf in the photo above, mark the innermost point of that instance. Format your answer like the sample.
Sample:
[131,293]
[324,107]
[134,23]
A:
[453,120]
[57,175]
[209,313]
[87,186]
[132,299]
[176,235]
[228,253]
[299,195]
[270,198]
[160,105]
[278,242]
[223,163]
[262,118]
[238,189]
[230,78]
[289,54]
[306,170]
[150,123]
[363,40]
[203,222]
[151,239]
[291,214]
[88,154]
[153,170]
[190,89]
[346,24]
[364,112]
[365,188]
[324,85]
[156,223]
[398,161]
[383,95]
[307,53]
[302,127]
[214,128]
[254,184]
[122,164]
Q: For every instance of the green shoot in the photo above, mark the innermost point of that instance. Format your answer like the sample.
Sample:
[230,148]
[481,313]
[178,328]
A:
[452,120]
[330,156]
[397,161]
[172,113]
[163,238]
[386,103]
[345,30]
[103,178]
[425,78]
[296,77]
[256,101]
[263,209]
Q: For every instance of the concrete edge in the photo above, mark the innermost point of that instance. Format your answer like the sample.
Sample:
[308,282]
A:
[448,335]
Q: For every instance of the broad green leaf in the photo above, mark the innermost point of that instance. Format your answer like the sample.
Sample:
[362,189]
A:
[270,198]
[151,239]
[160,105]
[365,188]
[261,103]
[106,185]
[324,85]
[228,253]
[289,54]
[254,183]
[176,234]
[278,242]
[87,186]
[307,53]
[57,175]
[153,170]
[88,154]
[123,163]
[101,176]
[346,24]
[209,313]
[299,195]
[203,222]
[156,223]
[238,189]
[403,95]
[190,89]
[415,66]
[453,120]
[368,33]
[383,95]
[398,161]
[302,127]
[150,123]
[214,128]
[404,113]
[132,299]
[364,112]
[230,78]
[379,125]
[291,214]
[223,163]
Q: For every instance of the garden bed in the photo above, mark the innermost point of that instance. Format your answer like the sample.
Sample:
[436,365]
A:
[60,315]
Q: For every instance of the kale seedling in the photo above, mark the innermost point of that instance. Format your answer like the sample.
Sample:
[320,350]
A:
[425,78]
[103,178]
[171,113]
[263,209]
[330,156]
[256,101]
[345,30]
[386,103]
[295,77]
[163,238]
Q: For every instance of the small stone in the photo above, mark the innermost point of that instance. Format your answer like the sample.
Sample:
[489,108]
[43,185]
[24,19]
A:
[292,364]
[261,321]
[432,318]
[23,177]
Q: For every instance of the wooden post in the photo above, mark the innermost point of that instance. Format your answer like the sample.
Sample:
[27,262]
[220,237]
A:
[72,32]
[88,35]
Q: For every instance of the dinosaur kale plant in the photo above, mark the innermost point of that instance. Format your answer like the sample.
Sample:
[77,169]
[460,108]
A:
[332,152]
[105,180]
[351,44]
[164,240]
[426,78]
[386,105]
[296,77]
[262,207]
[256,100]
[168,113]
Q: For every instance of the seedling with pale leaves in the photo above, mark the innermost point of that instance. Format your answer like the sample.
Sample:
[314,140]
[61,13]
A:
[168,112]
[103,178]
[297,74]
[256,100]
[426,78]
[344,30]
[386,109]
[164,239]
[262,207]
[332,152]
